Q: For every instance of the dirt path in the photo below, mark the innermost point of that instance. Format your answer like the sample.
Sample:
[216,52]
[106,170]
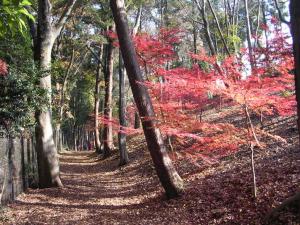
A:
[99,192]
[95,192]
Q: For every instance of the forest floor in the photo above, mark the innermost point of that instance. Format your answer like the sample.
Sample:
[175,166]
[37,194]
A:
[97,191]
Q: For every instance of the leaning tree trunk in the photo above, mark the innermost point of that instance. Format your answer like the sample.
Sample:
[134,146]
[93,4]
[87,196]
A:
[97,102]
[107,131]
[206,27]
[293,201]
[166,172]
[122,114]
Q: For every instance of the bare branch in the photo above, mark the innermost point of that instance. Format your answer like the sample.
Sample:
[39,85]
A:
[137,21]
[64,16]
[281,17]
[88,45]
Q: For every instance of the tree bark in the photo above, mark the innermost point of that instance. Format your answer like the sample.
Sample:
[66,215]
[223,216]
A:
[248,28]
[295,31]
[107,131]
[137,120]
[122,114]
[293,201]
[62,102]
[166,172]
[137,21]
[48,164]
[97,102]
[281,17]
[208,37]
[219,28]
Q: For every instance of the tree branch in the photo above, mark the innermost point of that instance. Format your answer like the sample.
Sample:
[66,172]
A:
[282,19]
[219,28]
[137,21]
[64,16]
[95,55]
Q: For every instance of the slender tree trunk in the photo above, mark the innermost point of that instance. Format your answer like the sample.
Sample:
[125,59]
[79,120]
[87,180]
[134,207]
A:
[97,102]
[257,24]
[62,102]
[248,27]
[24,165]
[295,31]
[122,114]
[166,172]
[281,17]
[137,121]
[194,38]
[137,21]
[219,28]
[202,10]
[75,140]
[107,132]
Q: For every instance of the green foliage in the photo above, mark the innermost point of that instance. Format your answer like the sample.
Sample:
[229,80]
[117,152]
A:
[20,97]
[13,16]
[19,94]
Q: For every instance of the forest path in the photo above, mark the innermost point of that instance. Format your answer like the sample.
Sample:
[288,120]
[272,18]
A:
[95,191]
[98,191]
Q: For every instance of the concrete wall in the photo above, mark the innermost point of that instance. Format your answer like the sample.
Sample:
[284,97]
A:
[17,167]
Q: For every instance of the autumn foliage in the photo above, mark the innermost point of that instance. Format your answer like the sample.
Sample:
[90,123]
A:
[3,68]
[182,95]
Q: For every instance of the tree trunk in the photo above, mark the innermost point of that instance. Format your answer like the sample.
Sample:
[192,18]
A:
[48,165]
[97,102]
[293,201]
[24,165]
[166,172]
[248,27]
[107,131]
[137,121]
[219,28]
[62,102]
[122,114]
[295,30]
[206,28]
